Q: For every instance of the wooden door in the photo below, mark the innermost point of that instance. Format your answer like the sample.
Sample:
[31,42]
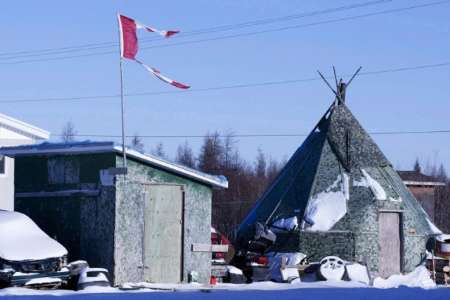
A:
[163,234]
[389,244]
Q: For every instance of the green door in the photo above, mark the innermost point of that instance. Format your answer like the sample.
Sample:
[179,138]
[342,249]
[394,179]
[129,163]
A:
[163,227]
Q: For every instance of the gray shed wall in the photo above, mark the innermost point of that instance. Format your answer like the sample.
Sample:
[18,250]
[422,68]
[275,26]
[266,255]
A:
[129,222]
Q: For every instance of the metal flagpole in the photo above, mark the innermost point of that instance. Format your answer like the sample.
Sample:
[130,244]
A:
[121,99]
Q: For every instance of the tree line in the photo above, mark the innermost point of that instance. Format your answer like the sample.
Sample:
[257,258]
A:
[219,155]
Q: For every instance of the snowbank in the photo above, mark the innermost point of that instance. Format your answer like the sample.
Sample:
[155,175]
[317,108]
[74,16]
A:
[21,239]
[357,272]
[326,208]
[420,277]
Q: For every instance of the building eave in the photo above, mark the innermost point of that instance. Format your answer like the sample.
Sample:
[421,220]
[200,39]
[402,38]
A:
[104,147]
[24,128]
[169,166]
[423,183]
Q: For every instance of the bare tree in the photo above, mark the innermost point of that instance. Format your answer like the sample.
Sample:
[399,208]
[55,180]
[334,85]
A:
[68,132]
[137,144]
[185,155]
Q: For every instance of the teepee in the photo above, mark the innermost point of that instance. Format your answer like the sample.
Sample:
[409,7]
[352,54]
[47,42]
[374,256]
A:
[347,198]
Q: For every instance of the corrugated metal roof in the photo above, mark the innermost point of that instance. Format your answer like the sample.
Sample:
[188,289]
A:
[101,147]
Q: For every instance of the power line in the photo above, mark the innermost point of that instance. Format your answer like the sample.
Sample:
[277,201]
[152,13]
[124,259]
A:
[224,87]
[94,46]
[264,135]
[241,34]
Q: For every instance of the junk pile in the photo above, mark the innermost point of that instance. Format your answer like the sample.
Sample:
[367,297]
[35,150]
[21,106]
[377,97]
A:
[259,262]
[438,259]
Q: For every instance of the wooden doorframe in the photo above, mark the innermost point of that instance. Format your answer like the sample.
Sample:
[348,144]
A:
[183,207]
[400,213]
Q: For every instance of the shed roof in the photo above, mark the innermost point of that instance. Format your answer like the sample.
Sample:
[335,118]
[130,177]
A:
[413,177]
[86,147]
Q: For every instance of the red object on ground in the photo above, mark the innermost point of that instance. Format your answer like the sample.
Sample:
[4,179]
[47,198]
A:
[213,280]
[219,239]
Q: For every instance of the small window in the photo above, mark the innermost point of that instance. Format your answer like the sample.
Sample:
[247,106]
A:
[2,164]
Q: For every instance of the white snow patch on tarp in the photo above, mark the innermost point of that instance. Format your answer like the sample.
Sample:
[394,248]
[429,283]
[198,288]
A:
[286,224]
[375,186]
[346,186]
[433,227]
[328,207]
[357,272]
[21,239]
[420,277]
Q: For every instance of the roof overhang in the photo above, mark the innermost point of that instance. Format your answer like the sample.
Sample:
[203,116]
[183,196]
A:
[104,147]
[423,183]
[24,128]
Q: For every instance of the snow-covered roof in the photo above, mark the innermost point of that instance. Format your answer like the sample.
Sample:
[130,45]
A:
[23,240]
[24,128]
[101,147]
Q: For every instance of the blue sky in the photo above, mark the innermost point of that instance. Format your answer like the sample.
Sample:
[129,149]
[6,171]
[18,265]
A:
[402,101]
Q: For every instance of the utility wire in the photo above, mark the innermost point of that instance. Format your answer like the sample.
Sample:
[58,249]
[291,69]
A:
[94,46]
[224,87]
[389,11]
[256,135]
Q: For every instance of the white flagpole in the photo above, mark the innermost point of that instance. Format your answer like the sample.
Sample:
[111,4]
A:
[121,97]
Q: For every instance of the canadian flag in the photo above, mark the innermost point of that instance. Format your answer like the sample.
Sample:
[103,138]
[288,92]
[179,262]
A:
[161,77]
[128,37]
[129,45]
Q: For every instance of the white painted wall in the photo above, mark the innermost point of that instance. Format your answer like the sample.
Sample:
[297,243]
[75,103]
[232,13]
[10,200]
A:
[10,137]
[7,185]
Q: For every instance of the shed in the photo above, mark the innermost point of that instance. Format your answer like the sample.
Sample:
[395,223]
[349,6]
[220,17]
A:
[348,201]
[426,190]
[142,227]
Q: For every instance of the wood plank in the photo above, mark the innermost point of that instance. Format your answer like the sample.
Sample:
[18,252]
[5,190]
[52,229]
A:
[163,234]
[390,245]
[197,247]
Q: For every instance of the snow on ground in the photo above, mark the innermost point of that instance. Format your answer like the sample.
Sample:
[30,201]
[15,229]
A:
[22,239]
[260,291]
[420,277]
[357,272]
[327,207]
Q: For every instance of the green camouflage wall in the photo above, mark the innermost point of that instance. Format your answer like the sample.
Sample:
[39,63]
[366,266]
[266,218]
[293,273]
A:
[129,221]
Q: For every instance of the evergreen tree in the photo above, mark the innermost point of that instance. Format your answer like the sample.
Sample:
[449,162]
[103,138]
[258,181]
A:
[159,150]
[417,167]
